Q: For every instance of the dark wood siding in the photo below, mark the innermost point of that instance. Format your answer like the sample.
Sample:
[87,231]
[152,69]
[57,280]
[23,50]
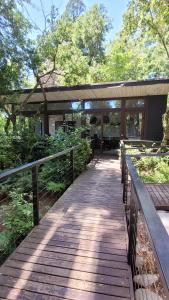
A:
[156,107]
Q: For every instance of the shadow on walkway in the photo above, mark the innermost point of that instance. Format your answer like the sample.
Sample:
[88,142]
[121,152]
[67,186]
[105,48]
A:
[78,252]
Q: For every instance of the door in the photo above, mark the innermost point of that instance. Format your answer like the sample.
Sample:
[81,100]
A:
[94,127]
[134,122]
[111,131]
[104,129]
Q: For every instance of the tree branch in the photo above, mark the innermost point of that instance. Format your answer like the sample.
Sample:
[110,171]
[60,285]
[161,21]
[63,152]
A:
[154,26]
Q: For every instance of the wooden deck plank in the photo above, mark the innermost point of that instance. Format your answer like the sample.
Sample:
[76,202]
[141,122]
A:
[82,236]
[74,251]
[19,294]
[159,194]
[60,281]
[60,291]
[64,273]
[69,257]
[90,268]
[92,247]
[79,250]
[80,239]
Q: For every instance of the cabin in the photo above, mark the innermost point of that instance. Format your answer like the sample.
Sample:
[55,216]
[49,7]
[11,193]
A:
[109,112]
[101,240]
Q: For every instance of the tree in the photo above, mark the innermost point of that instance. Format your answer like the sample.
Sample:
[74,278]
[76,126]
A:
[75,8]
[89,32]
[148,19]
[13,30]
[119,62]
[65,52]
[13,44]
[78,51]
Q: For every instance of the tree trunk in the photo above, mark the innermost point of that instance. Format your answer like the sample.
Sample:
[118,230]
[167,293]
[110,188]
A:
[165,140]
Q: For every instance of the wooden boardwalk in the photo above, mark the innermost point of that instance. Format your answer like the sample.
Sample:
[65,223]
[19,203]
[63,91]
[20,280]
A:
[78,252]
[159,193]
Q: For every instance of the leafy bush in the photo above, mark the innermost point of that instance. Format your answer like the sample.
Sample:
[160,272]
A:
[18,216]
[18,222]
[22,183]
[58,170]
[56,186]
[153,169]
[54,176]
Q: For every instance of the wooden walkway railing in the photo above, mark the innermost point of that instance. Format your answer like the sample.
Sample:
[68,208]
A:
[148,252]
[79,249]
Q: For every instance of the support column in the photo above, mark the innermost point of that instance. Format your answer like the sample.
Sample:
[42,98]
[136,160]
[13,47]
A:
[46,119]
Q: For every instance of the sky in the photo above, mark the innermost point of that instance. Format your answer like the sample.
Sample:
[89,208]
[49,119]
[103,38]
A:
[115,9]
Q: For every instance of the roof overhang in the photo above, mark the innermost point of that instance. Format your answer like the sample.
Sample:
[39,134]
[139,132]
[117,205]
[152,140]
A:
[113,90]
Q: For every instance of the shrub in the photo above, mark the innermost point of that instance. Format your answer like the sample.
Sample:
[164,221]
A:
[153,169]
[18,216]
[56,186]
[17,221]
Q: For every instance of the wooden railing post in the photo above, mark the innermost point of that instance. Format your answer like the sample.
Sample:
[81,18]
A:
[35,195]
[72,164]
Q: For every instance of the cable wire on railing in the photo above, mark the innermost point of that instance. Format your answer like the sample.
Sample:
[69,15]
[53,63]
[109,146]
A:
[148,252]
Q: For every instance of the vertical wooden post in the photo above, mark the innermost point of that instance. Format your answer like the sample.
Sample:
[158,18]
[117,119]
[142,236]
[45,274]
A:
[35,195]
[72,164]
[46,119]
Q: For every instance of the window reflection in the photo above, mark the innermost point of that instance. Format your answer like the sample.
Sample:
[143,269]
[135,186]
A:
[135,103]
[134,125]
[109,104]
[111,125]
[74,105]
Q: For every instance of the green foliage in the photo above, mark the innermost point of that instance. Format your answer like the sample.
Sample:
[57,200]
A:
[54,177]
[19,147]
[56,186]
[89,32]
[73,47]
[59,171]
[82,156]
[153,169]
[74,8]
[13,31]
[17,216]
[147,22]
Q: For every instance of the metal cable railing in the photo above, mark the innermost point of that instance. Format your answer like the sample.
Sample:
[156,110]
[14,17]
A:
[138,147]
[28,191]
[148,249]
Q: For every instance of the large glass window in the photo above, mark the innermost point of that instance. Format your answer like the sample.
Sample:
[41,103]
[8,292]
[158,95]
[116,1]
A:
[94,122]
[134,123]
[135,103]
[109,104]
[75,105]
[111,125]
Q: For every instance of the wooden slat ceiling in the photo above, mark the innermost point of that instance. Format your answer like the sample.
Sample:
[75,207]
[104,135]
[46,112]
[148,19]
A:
[158,87]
